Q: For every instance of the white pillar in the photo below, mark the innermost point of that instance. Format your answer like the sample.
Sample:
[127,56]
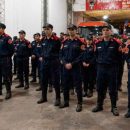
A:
[57,15]
[23,14]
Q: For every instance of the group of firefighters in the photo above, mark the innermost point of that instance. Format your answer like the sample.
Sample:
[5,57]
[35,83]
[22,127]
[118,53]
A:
[67,63]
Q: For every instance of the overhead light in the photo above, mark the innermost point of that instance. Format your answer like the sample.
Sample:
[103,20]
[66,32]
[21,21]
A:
[105,17]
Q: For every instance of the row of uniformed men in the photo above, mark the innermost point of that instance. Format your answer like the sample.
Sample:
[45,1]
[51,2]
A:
[72,53]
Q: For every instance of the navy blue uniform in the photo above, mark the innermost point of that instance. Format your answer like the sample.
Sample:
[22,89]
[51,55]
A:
[6,52]
[107,56]
[37,51]
[50,67]
[23,54]
[128,64]
[71,53]
[121,68]
[88,73]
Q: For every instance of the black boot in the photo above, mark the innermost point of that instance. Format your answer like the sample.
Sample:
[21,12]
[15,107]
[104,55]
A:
[33,81]
[90,94]
[127,115]
[97,109]
[26,86]
[100,100]
[39,89]
[79,108]
[8,95]
[57,102]
[42,100]
[66,104]
[115,111]
[85,94]
[0,92]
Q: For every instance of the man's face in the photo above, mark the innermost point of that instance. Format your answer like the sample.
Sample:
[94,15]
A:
[72,32]
[36,37]
[21,35]
[1,31]
[48,31]
[89,42]
[106,32]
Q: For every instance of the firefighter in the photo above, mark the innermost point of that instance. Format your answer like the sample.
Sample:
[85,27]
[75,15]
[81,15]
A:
[50,67]
[127,55]
[36,45]
[23,54]
[88,68]
[107,55]
[71,59]
[6,52]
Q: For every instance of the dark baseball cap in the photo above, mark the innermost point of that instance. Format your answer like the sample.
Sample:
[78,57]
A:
[47,25]
[107,26]
[72,26]
[22,32]
[2,26]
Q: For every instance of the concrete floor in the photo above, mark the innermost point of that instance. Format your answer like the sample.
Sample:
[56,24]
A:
[23,113]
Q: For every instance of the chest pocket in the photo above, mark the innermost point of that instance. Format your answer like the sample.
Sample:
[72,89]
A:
[66,47]
[99,49]
[111,48]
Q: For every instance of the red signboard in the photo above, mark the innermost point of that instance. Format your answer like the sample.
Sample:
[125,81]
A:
[107,4]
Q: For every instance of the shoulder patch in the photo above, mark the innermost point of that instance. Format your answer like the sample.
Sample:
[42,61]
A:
[82,40]
[118,41]
[55,37]
[97,41]
[65,39]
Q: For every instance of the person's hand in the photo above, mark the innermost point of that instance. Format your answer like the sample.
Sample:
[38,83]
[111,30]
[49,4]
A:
[68,66]
[85,65]
[126,50]
[40,59]
[33,56]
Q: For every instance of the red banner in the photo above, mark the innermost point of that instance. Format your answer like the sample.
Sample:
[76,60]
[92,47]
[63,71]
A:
[107,4]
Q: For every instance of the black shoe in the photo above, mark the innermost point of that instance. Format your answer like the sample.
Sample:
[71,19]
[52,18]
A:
[30,74]
[64,105]
[19,86]
[42,101]
[33,81]
[79,108]
[14,73]
[115,111]
[39,89]
[89,94]
[127,115]
[8,95]
[57,102]
[85,94]
[26,87]
[0,92]
[120,89]
[97,109]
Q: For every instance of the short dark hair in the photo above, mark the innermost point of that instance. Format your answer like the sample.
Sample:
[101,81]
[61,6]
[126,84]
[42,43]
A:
[3,26]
